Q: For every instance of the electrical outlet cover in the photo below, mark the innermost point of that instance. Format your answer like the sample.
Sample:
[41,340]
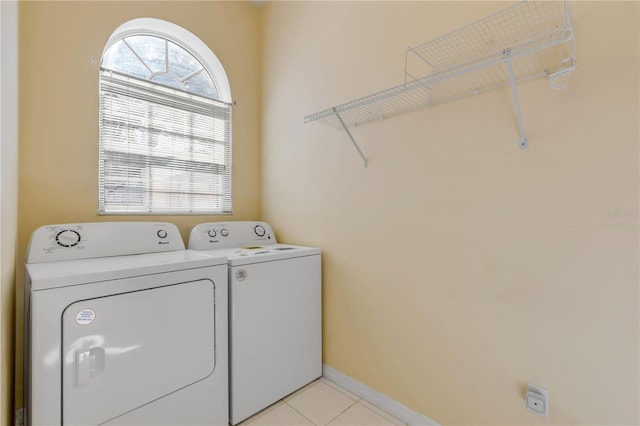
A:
[537,400]
[535,403]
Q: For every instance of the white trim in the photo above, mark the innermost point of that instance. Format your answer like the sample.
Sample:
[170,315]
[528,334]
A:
[9,196]
[376,398]
[185,39]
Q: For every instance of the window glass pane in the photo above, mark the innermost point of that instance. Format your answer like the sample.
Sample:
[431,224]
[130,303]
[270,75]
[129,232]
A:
[202,84]
[167,80]
[120,58]
[181,62]
[151,50]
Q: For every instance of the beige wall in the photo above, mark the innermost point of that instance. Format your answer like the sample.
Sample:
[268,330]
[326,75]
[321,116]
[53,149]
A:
[458,268]
[59,109]
[8,199]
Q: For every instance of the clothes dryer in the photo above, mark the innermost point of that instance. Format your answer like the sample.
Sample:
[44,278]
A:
[275,334]
[124,326]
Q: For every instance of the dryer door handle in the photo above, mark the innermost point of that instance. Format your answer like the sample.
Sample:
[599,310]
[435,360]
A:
[89,363]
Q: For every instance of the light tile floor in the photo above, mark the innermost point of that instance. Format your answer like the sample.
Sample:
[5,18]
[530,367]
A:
[322,403]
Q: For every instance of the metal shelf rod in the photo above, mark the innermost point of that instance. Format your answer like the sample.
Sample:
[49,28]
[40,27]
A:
[346,129]
[514,91]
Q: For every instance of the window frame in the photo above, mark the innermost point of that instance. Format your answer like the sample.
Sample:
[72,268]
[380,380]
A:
[211,64]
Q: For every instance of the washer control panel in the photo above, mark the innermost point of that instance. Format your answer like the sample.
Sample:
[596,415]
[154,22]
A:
[101,239]
[214,235]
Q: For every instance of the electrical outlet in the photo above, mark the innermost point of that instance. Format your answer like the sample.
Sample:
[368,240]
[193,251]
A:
[535,403]
[537,400]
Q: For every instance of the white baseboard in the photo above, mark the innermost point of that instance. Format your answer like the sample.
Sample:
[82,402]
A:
[376,398]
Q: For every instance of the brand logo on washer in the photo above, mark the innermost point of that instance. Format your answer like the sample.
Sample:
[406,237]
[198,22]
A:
[85,316]
[241,274]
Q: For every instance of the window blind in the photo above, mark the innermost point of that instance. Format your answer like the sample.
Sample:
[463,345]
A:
[162,150]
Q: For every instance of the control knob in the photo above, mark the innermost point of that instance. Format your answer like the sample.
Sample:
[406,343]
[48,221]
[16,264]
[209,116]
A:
[212,233]
[162,233]
[259,230]
[67,238]
[224,232]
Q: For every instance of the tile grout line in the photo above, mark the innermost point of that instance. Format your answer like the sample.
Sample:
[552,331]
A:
[380,414]
[261,413]
[341,389]
[354,401]
[298,411]
[340,413]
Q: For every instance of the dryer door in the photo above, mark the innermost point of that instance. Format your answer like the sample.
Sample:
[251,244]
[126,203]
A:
[126,350]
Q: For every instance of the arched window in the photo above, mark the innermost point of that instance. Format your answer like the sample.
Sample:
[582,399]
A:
[165,123]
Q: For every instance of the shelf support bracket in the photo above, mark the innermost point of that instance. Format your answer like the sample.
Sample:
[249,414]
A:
[353,141]
[561,73]
[523,144]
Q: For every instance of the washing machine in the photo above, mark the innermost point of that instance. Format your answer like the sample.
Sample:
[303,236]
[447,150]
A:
[123,326]
[275,334]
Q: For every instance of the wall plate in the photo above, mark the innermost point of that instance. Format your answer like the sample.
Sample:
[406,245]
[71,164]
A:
[537,400]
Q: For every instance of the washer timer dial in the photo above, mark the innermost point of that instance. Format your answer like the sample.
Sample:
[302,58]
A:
[68,238]
[259,230]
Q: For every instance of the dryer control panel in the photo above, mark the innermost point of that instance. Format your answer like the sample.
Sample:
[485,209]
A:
[217,235]
[101,239]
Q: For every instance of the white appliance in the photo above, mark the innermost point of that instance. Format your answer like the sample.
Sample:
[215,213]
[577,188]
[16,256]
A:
[123,326]
[275,330]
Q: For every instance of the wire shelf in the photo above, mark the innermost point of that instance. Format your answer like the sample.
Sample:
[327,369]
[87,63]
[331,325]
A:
[527,40]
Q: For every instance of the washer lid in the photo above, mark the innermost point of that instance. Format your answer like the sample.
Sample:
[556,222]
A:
[82,271]
[267,253]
